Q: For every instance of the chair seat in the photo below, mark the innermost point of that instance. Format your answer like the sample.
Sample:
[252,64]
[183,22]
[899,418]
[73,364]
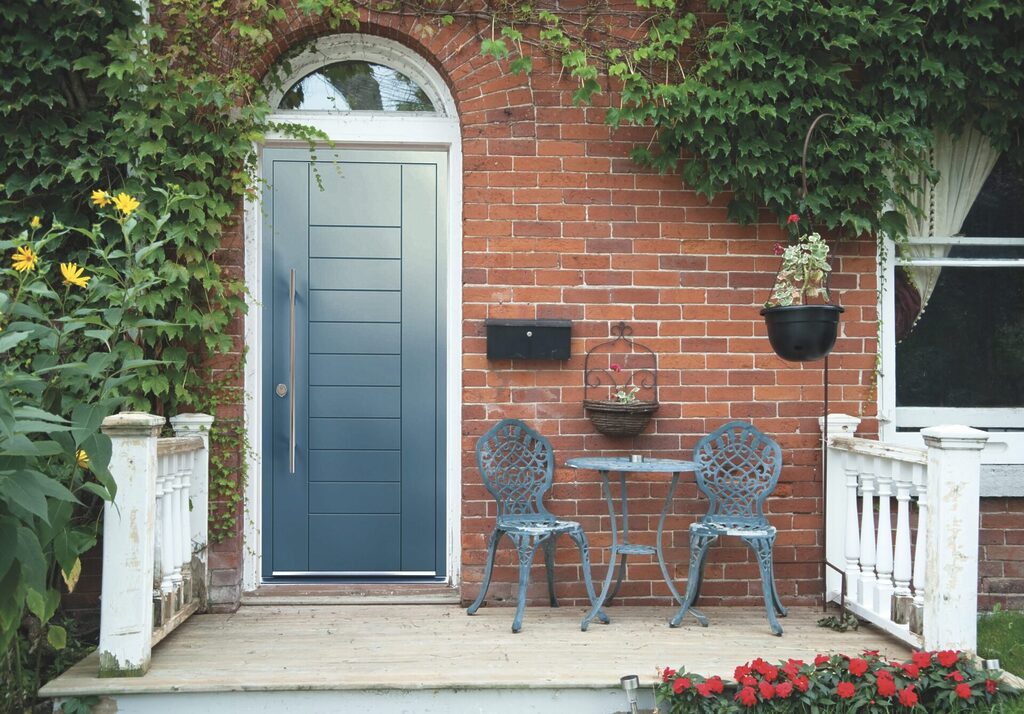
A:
[740,531]
[537,527]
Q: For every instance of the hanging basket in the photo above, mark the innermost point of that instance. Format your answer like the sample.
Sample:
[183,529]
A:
[617,419]
[802,333]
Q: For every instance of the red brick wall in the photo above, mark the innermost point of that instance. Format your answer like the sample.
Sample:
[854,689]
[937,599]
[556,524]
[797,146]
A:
[1001,553]
[559,223]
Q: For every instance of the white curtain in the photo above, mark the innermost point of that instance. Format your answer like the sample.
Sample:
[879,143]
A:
[963,162]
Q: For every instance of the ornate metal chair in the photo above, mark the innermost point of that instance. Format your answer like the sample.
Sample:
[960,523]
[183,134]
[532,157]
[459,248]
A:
[517,466]
[738,466]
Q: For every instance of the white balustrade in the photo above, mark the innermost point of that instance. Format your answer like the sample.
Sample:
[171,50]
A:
[908,582]
[153,543]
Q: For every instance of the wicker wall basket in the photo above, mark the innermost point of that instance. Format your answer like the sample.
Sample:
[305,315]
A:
[617,419]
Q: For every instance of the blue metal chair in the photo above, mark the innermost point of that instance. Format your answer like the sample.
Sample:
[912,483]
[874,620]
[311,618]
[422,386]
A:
[738,466]
[517,466]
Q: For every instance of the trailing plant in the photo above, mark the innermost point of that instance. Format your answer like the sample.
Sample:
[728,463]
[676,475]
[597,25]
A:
[803,274]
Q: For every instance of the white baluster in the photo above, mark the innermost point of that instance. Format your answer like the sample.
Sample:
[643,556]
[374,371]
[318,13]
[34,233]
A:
[921,482]
[883,549]
[176,528]
[901,571]
[159,534]
[184,538]
[852,550]
[167,530]
[867,535]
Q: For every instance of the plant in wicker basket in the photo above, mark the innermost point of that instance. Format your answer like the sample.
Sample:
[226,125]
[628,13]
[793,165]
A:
[627,372]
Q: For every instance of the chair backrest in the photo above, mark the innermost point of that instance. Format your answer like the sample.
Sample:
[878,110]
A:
[738,466]
[517,466]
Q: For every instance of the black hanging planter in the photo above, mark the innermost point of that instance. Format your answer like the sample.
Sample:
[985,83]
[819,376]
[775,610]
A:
[802,333]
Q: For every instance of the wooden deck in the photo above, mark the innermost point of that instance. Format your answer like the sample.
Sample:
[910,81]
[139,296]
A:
[438,647]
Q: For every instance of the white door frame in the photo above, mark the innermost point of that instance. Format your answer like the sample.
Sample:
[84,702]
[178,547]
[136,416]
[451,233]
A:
[383,130]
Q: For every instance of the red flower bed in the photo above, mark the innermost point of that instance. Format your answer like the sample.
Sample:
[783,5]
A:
[930,682]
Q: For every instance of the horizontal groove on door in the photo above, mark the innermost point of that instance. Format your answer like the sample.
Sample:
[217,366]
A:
[356,338]
[365,465]
[355,306]
[355,242]
[355,274]
[355,370]
[355,402]
[347,498]
[355,433]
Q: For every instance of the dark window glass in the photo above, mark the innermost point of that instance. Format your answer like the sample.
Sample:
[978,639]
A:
[356,86]
[967,349]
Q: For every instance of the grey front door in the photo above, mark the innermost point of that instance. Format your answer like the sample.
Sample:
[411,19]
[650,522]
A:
[354,364]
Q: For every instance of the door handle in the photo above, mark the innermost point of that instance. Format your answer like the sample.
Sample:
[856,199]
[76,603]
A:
[291,373]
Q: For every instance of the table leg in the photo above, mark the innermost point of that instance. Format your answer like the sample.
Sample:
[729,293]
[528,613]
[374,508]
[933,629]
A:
[596,609]
[669,499]
[625,535]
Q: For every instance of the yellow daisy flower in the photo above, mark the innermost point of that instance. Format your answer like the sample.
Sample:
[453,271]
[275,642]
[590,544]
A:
[82,459]
[125,204]
[101,198]
[36,222]
[24,259]
[73,275]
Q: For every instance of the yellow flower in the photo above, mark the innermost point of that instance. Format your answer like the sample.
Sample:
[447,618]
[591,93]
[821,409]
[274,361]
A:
[125,204]
[101,198]
[36,222]
[24,259]
[82,459]
[73,275]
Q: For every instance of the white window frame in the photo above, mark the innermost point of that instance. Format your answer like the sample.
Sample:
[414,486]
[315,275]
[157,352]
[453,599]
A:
[1003,447]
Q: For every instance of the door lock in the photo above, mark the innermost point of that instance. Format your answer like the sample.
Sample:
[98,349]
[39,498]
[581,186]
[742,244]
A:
[282,390]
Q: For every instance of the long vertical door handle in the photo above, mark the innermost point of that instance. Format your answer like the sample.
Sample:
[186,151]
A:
[291,373]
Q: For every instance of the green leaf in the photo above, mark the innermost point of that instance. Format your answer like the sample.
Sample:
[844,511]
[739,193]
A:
[57,636]
[11,339]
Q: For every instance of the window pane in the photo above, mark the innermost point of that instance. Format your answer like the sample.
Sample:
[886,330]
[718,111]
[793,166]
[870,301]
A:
[967,349]
[357,86]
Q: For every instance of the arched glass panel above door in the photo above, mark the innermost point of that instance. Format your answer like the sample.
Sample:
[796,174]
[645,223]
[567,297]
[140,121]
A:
[357,85]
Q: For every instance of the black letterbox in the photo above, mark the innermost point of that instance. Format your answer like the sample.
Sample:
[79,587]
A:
[528,339]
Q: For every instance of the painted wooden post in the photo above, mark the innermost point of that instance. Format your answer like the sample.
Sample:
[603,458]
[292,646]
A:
[199,490]
[868,581]
[951,574]
[126,606]
[837,500]
[902,598]
[883,544]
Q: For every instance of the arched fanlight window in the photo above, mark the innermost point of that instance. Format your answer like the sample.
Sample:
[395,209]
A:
[357,85]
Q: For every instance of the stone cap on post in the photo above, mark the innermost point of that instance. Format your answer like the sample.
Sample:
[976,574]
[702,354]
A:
[839,424]
[133,424]
[954,436]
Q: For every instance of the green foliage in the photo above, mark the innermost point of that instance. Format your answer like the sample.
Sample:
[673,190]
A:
[70,341]
[1001,636]
[803,273]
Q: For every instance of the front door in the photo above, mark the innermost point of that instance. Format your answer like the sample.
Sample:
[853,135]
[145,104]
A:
[354,364]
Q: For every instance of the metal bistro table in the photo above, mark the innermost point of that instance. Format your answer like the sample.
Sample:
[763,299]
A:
[625,465]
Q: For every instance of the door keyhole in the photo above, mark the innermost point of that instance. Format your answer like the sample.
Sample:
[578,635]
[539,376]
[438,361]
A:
[282,390]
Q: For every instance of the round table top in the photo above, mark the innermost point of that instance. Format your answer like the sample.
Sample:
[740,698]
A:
[623,463]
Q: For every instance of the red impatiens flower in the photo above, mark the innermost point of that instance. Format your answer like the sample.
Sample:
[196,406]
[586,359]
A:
[704,690]
[991,686]
[740,672]
[921,659]
[748,681]
[803,683]
[912,671]
[886,686]
[667,673]
[793,218]
[858,667]
[908,697]
[845,690]
[778,249]
[784,689]
[963,690]
[746,696]
[681,685]
[870,653]
[616,367]
[947,658]
[821,659]
[716,685]
[767,690]
[956,676]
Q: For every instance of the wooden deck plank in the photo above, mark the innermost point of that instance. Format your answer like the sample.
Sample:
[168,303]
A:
[352,647]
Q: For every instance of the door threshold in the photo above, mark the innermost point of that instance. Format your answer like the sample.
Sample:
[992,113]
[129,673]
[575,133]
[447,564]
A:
[352,594]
